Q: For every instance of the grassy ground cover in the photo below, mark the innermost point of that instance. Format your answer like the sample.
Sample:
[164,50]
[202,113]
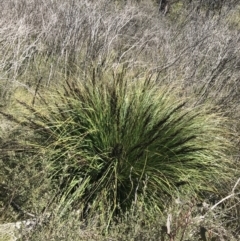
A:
[119,122]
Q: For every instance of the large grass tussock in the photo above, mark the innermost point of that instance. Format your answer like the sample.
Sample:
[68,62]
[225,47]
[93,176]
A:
[116,137]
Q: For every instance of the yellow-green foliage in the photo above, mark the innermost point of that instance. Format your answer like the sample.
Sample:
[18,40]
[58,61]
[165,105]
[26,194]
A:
[234,19]
[8,232]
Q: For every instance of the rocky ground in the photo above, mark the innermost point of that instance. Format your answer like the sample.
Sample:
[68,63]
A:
[12,231]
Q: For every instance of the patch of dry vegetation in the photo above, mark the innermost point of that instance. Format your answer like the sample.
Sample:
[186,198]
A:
[44,43]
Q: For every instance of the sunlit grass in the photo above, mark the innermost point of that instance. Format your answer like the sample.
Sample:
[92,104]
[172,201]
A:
[110,137]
